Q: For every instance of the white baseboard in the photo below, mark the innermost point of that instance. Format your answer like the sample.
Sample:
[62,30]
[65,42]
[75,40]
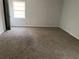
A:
[70,33]
[33,26]
[1,32]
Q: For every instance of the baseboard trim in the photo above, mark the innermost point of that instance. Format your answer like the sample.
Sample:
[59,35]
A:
[33,26]
[69,33]
[1,33]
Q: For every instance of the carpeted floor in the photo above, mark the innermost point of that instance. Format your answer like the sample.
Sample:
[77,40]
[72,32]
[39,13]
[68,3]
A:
[38,43]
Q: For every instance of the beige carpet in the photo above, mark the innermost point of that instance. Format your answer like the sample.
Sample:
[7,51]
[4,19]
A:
[38,43]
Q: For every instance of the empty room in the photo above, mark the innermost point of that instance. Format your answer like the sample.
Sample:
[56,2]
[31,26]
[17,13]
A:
[39,29]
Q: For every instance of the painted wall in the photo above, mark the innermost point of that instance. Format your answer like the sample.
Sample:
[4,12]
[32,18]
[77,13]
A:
[1,18]
[43,13]
[70,17]
[40,13]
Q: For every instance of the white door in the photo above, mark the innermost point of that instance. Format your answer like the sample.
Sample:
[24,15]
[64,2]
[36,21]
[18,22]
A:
[17,12]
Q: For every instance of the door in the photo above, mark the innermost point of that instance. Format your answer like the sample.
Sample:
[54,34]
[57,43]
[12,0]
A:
[17,12]
[6,14]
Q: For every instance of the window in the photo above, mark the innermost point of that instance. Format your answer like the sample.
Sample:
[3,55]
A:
[19,9]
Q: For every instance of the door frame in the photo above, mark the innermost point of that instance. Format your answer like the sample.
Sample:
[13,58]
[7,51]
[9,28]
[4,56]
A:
[6,15]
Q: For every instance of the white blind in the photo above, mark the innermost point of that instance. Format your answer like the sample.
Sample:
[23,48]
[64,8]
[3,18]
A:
[19,9]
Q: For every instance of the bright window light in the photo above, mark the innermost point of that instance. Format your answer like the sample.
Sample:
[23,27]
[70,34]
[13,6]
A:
[19,9]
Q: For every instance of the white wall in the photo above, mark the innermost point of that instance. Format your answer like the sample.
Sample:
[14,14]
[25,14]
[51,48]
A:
[41,13]
[70,17]
[1,18]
